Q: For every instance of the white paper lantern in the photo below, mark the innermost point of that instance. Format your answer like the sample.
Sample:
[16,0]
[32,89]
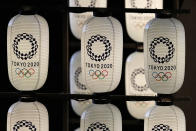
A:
[165,118]
[78,129]
[135,83]
[101,53]
[101,117]
[27,116]
[77,19]
[27,51]
[164,48]
[76,85]
[135,22]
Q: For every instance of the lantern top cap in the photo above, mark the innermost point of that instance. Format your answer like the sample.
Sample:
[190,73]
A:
[165,100]
[101,98]
[101,13]
[140,47]
[27,10]
[27,96]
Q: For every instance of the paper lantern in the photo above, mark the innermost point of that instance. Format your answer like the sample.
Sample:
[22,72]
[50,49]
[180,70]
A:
[27,116]
[27,51]
[135,22]
[101,117]
[164,48]
[77,19]
[165,118]
[101,53]
[135,83]
[78,129]
[76,85]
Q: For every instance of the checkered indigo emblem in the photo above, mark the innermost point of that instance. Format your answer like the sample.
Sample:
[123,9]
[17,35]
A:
[24,123]
[92,3]
[148,4]
[168,56]
[102,39]
[32,41]
[161,127]
[133,82]
[97,125]
[76,77]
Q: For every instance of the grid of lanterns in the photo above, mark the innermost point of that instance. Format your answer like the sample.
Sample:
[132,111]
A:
[157,70]
[97,67]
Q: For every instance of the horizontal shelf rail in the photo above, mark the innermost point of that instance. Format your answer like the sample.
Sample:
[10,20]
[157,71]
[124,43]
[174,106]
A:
[160,98]
[100,96]
[124,10]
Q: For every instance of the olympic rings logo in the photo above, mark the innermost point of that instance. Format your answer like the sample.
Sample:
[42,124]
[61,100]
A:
[161,76]
[98,74]
[25,72]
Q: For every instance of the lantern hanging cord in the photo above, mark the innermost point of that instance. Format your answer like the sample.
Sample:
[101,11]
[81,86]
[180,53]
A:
[181,3]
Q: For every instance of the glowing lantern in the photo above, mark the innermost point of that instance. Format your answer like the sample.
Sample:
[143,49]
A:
[165,118]
[77,19]
[104,117]
[101,53]
[27,116]
[27,51]
[136,85]
[76,85]
[164,49]
[135,22]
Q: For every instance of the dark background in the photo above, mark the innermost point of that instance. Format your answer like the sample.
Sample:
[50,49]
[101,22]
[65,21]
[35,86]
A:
[63,45]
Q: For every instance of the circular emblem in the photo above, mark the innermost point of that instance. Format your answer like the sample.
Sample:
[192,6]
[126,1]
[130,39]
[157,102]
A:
[103,40]
[168,56]
[76,77]
[92,3]
[133,81]
[148,4]
[98,125]
[161,127]
[24,123]
[32,41]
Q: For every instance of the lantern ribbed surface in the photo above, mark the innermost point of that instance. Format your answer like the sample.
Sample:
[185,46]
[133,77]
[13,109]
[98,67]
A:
[135,84]
[27,116]
[78,129]
[27,51]
[77,19]
[165,118]
[76,84]
[101,53]
[135,22]
[164,48]
[102,117]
